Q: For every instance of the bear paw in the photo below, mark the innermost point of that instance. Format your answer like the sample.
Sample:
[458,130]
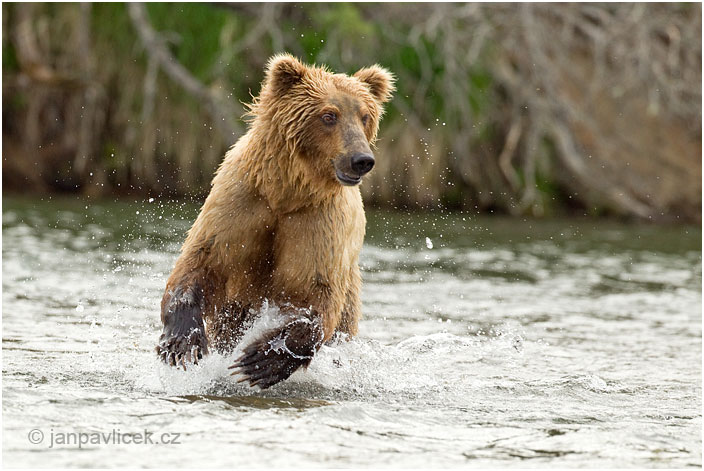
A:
[177,350]
[278,353]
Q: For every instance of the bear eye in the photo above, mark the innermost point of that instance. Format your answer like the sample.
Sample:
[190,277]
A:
[329,118]
[365,119]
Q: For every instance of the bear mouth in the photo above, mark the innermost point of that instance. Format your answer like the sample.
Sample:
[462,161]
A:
[346,179]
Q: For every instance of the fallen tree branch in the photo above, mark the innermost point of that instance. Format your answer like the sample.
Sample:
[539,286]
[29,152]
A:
[506,156]
[156,49]
[30,57]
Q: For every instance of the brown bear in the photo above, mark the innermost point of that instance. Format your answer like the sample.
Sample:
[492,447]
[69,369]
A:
[283,223]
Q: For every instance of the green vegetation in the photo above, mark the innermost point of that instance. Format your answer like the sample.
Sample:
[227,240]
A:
[492,110]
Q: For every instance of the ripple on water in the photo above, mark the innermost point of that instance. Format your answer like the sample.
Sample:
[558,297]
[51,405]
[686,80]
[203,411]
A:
[495,345]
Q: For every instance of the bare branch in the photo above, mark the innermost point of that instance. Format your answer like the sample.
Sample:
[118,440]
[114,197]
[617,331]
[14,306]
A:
[155,47]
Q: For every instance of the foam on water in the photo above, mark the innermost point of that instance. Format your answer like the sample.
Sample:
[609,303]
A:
[346,367]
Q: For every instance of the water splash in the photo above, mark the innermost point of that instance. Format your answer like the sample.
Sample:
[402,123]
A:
[353,367]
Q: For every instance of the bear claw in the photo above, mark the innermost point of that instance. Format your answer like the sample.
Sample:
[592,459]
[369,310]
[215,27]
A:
[263,367]
[279,353]
[180,350]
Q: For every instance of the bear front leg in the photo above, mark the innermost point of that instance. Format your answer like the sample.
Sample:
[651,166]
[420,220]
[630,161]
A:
[279,352]
[183,338]
[352,311]
[308,283]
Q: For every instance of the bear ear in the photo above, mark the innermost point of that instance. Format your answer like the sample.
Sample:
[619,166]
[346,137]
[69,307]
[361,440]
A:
[283,72]
[379,80]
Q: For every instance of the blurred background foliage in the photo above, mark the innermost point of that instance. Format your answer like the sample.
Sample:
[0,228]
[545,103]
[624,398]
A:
[524,109]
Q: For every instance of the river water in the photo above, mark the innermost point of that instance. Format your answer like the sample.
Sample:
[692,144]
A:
[486,342]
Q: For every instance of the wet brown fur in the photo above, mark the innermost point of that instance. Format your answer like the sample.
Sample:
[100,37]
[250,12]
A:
[277,224]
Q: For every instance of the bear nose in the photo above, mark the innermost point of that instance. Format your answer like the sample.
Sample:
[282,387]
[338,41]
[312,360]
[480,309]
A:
[362,163]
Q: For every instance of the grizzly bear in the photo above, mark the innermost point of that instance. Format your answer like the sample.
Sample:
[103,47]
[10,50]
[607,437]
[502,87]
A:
[283,224]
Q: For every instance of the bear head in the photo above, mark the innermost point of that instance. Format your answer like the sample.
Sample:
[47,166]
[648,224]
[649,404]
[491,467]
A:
[328,120]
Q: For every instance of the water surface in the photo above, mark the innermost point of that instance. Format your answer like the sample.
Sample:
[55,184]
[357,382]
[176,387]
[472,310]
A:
[485,342]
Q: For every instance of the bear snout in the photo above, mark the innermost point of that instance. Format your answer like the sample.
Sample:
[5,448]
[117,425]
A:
[349,169]
[362,163]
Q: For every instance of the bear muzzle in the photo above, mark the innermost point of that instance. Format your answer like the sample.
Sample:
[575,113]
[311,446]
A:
[359,164]
[362,163]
